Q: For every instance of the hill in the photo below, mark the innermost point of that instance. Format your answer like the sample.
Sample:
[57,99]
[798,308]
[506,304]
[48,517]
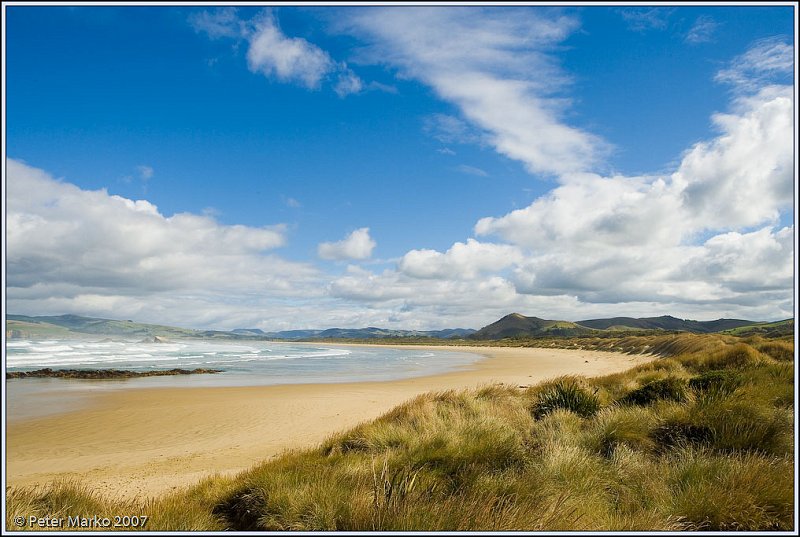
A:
[776,329]
[513,325]
[517,325]
[665,322]
[368,333]
[66,325]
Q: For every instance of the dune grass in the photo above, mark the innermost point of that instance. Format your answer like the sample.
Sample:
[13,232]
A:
[699,439]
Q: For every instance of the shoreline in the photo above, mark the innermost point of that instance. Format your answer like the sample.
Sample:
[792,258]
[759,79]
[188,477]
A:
[149,441]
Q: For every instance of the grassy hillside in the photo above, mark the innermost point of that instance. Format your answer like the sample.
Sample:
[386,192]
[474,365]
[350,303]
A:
[35,330]
[76,324]
[776,329]
[516,325]
[665,322]
[700,439]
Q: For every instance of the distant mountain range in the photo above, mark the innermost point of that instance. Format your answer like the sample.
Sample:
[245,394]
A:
[517,325]
[513,325]
[64,325]
[355,333]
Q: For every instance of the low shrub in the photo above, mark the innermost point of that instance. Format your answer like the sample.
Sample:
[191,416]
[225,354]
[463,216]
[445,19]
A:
[717,380]
[678,434]
[566,394]
[670,388]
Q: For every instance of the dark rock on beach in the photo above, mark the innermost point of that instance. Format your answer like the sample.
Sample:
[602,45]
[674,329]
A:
[103,373]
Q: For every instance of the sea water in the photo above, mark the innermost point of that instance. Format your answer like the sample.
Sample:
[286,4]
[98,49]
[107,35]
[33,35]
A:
[249,363]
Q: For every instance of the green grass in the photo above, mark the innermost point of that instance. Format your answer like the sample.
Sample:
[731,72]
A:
[699,439]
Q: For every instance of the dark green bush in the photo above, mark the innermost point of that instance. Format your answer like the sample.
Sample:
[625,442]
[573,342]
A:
[567,395]
[674,434]
[717,380]
[670,388]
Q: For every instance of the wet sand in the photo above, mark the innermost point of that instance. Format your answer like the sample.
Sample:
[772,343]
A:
[144,442]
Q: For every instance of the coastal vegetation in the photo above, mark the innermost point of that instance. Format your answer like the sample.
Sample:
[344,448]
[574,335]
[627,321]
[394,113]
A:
[701,438]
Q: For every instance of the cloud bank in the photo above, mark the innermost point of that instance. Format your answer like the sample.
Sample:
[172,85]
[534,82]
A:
[73,250]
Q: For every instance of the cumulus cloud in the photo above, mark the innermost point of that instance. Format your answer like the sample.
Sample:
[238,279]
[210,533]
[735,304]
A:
[81,249]
[461,261]
[744,177]
[357,245]
[609,239]
[495,66]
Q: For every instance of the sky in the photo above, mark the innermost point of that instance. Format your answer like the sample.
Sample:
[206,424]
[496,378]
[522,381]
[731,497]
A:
[405,167]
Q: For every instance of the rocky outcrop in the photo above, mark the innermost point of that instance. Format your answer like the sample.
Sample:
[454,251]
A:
[103,373]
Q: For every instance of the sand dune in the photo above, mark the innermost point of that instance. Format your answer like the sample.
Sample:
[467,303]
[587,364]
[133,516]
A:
[144,442]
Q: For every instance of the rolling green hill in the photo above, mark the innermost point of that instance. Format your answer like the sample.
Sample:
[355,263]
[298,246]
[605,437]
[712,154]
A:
[517,325]
[66,325]
[665,322]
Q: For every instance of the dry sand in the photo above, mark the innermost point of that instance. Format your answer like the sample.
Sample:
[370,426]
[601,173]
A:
[144,442]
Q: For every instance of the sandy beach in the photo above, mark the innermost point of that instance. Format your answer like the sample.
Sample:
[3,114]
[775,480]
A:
[144,442]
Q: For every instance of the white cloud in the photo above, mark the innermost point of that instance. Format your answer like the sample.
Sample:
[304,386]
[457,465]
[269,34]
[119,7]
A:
[357,245]
[77,250]
[741,178]
[702,31]
[274,54]
[494,65]
[744,177]
[629,239]
[289,59]
[738,261]
[347,83]
[462,261]
[760,65]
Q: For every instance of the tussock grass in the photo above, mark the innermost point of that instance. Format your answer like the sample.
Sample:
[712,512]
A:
[669,388]
[565,393]
[699,439]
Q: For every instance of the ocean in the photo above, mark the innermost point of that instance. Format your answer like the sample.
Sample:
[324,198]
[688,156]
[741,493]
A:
[251,363]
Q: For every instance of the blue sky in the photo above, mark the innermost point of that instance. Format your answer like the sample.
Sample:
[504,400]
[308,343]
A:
[430,167]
